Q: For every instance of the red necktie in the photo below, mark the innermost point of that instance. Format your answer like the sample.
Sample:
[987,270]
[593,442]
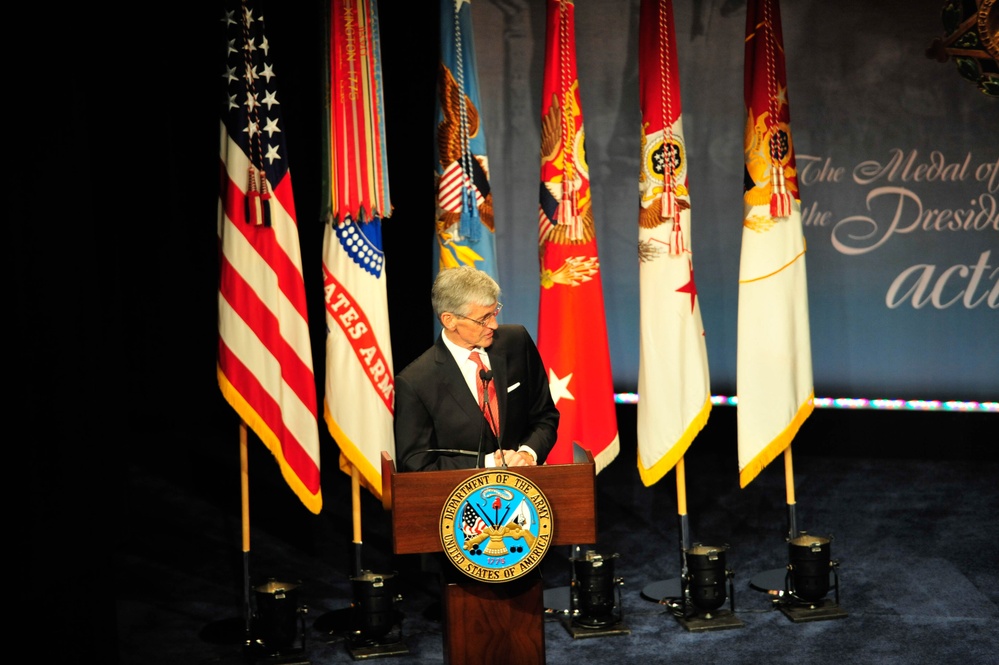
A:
[493,405]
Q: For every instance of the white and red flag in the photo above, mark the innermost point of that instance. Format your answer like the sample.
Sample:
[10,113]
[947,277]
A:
[774,357]
[572,330]
[264,350]
[674,394]
[360,384]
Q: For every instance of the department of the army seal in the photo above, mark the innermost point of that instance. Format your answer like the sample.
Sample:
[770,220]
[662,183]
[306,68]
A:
[496,526]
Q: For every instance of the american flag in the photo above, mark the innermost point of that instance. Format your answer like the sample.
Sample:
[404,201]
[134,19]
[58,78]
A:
[471,523]
[264,353]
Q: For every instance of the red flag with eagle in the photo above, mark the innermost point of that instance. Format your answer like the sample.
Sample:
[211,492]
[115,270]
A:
[674,393]
[774,357]
[360,384]
[572,330]
[265,353]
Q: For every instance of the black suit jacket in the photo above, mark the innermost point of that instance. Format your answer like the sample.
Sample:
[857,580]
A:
[434,408]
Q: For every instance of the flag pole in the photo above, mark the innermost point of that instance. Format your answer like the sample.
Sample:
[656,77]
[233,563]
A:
[244,486]
[681,510]
[345,621]
[792,520]
[667,591]
[684,521]
[355,500]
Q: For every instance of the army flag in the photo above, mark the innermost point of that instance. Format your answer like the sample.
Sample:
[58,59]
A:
[465,226]
[774,358]
[674,394]
[264,349]
[360,385]
[572,330]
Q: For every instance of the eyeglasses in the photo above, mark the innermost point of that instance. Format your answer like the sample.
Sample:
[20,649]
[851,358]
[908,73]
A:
[484,321]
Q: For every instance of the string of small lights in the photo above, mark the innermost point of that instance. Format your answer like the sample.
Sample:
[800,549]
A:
[859,403]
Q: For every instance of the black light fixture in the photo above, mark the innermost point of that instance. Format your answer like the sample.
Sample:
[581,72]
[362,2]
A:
[375,619]
[594,597]
[371,627]
[810,574]
[706,578]
[799,589]
[278,624]
[705,585]
[809,570]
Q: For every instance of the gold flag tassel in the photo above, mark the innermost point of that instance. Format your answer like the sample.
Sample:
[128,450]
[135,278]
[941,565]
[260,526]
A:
[779,143]
[568,215]
[568,212]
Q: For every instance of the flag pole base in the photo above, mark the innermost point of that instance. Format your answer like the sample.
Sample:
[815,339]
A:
[580,631]
[257,655]
[821,610]
[372,626]
[380,650]
[717,620]
[775,583]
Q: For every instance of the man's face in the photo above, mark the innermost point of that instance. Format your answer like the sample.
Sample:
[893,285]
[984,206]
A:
[475,329]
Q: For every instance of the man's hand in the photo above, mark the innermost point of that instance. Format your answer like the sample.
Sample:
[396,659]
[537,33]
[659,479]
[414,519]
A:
[514,458]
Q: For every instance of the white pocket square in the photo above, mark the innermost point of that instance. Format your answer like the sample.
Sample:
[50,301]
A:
[513,387]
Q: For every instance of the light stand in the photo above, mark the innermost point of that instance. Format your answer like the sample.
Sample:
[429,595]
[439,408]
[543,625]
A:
[564,602]
[594,598]
[277,625]
[810,573]
[700,590]
[372,626]
[809,568]
[376,626]
[799,590]
[703,591]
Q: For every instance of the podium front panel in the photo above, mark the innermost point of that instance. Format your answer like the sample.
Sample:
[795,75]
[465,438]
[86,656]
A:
[417,498]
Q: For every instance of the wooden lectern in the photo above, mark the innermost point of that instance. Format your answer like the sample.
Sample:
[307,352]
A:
[478,615]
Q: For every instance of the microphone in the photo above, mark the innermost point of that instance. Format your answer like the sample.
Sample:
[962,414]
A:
[480,462]
[486,375]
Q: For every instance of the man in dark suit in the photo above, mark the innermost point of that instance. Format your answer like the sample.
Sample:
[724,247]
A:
[440,422]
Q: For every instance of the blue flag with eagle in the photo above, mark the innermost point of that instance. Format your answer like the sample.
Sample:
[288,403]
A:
[464,220]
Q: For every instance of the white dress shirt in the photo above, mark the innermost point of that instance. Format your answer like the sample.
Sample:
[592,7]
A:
[470,370]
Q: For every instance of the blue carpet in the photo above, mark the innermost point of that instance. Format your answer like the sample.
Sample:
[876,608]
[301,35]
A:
[914,539]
